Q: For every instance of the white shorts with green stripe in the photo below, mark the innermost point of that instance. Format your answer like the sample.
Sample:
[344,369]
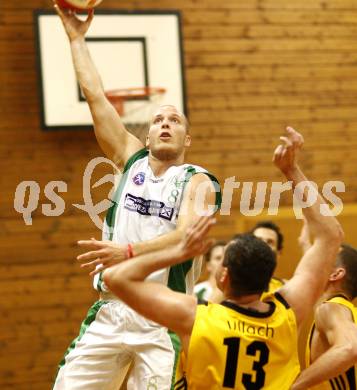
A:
[112,339]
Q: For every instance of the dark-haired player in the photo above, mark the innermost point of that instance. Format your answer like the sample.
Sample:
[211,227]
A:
[331,353]
[243,342]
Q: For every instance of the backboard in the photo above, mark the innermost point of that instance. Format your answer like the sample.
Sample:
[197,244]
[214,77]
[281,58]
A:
[129,48]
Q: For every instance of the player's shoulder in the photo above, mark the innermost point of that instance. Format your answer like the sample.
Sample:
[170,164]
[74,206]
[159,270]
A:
[336,306]
[277,281]
[198,173]
[204,181]
[331,314]
[199,177]
[136,156]
[340,299]
[283,309]
[278,299]
[274,284]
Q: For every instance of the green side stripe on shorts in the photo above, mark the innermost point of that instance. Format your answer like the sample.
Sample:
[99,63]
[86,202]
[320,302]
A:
[91,315]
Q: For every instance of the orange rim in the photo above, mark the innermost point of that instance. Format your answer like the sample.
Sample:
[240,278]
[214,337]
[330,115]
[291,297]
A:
[118,96]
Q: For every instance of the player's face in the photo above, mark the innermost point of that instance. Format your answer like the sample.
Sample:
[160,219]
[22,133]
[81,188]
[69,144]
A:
[167,137]
[269,237]
[215,260]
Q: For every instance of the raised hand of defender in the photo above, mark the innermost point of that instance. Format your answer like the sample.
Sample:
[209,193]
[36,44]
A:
[304,238]
[75,28]
[195,241]
[101,255]
[286,154]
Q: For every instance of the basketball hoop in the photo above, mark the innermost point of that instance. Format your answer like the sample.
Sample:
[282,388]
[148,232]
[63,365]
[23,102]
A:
[136,106]
[119,96]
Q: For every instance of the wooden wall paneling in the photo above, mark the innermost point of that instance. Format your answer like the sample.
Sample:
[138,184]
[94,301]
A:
[252,68]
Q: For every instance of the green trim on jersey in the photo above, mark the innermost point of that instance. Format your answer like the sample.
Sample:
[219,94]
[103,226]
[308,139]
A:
[176,345]
[91,315]
[135,157]
[110,217]
[199,294]
[178,272]
[191,171]
[218,190]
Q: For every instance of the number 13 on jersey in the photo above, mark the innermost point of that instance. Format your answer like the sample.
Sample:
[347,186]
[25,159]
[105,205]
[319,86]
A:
[251,381]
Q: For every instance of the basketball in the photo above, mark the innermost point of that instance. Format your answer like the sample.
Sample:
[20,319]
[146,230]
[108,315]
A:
[78,4]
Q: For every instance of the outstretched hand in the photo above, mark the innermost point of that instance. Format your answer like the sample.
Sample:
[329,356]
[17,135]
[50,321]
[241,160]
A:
[75,27]
[195,241]
[101,255]
[286,154]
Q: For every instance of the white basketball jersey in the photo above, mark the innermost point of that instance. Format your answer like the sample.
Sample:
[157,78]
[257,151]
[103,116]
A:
[146,207]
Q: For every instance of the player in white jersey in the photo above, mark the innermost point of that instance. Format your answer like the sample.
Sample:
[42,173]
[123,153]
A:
[153,206]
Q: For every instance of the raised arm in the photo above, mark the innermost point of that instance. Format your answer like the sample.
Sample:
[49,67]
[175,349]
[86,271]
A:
[116,142]
[155,301]
[311,274]
[108,253]
[304,238]
[334,322]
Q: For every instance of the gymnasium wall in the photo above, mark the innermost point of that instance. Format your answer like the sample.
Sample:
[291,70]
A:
[252,67]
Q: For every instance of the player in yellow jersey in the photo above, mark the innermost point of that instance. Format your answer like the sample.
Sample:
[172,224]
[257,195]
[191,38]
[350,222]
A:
[270,233]
[244,342]
[331,355]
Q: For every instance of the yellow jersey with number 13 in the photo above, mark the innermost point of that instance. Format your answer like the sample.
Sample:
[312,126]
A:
[232,347]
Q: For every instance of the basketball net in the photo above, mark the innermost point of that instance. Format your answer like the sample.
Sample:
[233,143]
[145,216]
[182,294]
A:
[136,107]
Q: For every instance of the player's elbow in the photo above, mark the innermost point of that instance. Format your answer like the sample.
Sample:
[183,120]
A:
[113,279]
[349,350]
